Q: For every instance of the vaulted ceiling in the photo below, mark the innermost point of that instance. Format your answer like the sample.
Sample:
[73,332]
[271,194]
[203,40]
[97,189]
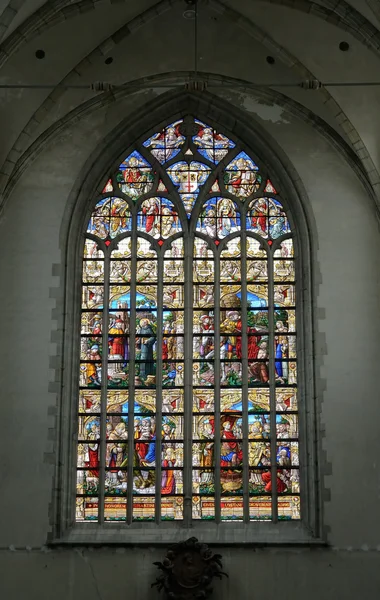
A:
[267,42]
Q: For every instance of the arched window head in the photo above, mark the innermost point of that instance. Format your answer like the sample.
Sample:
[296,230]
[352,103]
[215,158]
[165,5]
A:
[188,406]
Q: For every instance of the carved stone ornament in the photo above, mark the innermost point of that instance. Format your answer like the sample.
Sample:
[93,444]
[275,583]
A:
[187,571]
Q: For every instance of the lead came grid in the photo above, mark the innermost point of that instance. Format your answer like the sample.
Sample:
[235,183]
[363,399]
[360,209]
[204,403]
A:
[188,377]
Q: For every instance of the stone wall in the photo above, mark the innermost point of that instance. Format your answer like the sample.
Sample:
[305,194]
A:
[345,245]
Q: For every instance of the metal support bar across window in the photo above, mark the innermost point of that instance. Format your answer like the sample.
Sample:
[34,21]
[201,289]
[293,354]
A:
[187,402]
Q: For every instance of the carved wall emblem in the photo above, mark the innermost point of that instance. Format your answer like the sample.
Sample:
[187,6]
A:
[188,570]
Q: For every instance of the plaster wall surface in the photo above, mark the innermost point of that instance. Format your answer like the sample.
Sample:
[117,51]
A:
[107,574]
[360,104]
[345,249]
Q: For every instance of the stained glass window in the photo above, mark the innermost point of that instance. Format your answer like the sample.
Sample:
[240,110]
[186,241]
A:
[188,404]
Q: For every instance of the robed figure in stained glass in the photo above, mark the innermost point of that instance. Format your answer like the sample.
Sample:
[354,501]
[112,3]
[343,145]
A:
[231,453]
[118,345]
[168,479]
[145,343]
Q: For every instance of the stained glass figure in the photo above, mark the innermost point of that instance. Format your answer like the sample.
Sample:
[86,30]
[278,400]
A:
[166,144]
[135,176]
[219,217]
[188,328]
[266,217]
[158,217]
[242,177]
[110,217]
[211,145]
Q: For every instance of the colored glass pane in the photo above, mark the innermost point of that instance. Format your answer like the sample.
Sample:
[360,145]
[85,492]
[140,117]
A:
[158,217]
[188,178]
[210,144]
[188,201]
[135,176]
[110,217]
[188,322]
[219,217]
[242,177]
[166,144]
[108,187]
[161,187]
[269,188]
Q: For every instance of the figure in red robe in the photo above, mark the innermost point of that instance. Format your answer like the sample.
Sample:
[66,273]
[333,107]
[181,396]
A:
[144,437]
[259,216]
[267,479]
[231,453]
[168,479]
[132,174]
[150,210]
[118,345]
[253,340]
[93,451]
[93,460]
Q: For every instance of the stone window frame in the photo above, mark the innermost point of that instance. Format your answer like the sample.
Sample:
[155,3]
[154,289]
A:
[256,142]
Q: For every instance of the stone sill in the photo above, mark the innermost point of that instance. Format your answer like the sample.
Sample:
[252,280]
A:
[226,534]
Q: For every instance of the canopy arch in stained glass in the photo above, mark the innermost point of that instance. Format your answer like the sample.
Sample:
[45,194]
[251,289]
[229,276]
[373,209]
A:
[188,382]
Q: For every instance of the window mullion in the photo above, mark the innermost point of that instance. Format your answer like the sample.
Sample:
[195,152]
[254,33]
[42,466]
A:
[159,371]
[131,372]
[104,382]
[272,387]
[188,381]
[217,371]
[244,345]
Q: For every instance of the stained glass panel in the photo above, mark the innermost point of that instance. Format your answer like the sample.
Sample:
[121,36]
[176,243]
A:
[166,144]
[211,145]
[269,188]
[188,330]
[111,217]
[188,178]
[108,187]
[135,176]
[219,217]
[242,177]
[188,201]
[158,217]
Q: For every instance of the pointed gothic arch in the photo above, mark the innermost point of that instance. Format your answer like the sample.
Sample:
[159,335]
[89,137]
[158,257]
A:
[153,209]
